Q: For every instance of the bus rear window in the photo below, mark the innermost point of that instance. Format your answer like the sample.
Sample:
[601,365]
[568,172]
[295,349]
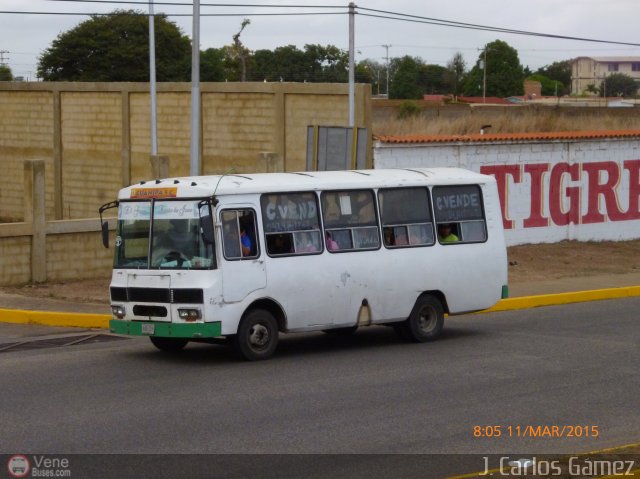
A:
[459,214]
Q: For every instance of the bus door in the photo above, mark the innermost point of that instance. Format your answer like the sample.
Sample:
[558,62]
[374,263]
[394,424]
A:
[243,270]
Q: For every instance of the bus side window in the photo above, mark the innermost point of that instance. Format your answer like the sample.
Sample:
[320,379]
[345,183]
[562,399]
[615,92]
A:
[291,223]
[459,214]
[406,217]
[350,220]
[239,236]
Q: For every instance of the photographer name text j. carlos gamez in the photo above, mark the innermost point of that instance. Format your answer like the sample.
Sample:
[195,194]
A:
[575,466]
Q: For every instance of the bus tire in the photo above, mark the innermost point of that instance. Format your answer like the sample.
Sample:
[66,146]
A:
[169,345]
[425,321]
[257,336]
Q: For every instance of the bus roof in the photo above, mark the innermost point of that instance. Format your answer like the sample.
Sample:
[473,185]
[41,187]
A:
[241,183]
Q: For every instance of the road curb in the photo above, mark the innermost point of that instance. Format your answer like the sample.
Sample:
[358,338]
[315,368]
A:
[526,302]
[47,318]
[82,320]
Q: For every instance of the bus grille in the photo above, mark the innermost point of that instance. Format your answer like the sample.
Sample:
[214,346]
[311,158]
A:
[158,295]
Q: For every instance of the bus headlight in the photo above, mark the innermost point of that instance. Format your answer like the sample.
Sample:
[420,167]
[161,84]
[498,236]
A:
[118,312]
[189,314]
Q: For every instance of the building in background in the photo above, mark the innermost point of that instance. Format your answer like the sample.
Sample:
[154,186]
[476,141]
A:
[587,71]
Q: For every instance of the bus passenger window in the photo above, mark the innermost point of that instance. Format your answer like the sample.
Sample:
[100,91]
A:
[350,220]
[459,214]
[291,223]
[406,217]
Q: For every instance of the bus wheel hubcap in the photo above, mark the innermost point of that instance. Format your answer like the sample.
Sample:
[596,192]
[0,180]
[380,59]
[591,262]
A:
[259,335]
[427,319]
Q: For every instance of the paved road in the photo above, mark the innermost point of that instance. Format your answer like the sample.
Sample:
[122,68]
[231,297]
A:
[566,366]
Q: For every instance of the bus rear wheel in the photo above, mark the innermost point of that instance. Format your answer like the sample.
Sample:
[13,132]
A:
[425,321]
[169,345]
[257,336]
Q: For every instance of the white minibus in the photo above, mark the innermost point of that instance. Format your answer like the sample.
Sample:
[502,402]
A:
[244,257]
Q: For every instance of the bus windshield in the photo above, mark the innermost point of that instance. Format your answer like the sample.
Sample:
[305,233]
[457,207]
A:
[168,239]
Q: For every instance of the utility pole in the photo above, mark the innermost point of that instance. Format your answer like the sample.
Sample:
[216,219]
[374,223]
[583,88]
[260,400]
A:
[387,58]
[152,81]
[194,159]
[2,59]
[484,76]
[352,65]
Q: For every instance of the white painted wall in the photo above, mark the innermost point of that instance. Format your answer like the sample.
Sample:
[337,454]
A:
[605,182]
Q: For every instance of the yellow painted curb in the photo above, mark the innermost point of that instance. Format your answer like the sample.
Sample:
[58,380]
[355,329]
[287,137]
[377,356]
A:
[526,302]
[46,318]
[81,320]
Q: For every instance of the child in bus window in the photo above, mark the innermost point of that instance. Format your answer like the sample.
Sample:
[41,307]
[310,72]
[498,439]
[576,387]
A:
[445,233]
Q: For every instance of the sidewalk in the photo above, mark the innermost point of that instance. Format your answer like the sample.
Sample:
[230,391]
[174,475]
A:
[91,314]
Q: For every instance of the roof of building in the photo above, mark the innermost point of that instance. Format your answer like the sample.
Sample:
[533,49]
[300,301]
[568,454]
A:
[502,137]
[611,59]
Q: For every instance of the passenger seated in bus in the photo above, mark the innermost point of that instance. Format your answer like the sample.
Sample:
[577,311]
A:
[389,238]
[246,242]
[331,244]
[401,236]
[279,244]
[445,233]
[306,245]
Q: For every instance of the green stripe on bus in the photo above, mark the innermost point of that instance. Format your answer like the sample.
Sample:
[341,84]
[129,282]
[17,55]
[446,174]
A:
[167,330]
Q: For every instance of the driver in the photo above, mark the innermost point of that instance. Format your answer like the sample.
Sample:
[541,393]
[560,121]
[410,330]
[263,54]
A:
[179,242]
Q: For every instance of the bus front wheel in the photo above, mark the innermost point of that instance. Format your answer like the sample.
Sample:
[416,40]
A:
[425,321]
[169,345]
[257,336]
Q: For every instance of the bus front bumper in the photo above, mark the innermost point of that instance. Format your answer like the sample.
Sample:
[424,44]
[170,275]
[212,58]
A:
[166,330]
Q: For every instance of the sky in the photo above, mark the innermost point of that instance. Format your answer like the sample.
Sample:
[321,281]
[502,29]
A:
[23,37]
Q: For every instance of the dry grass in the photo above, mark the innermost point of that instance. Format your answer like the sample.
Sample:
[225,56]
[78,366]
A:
[545,121]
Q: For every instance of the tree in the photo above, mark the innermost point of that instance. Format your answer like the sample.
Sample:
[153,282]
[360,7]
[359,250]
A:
[115,47]
[405,83]
[212,65]
[239,51]
[287,63]
[504,73]
[5,73]
[371,71]
[328,63]
[456,68]
[433,79]
[549,87]
[559,71]
[618,84]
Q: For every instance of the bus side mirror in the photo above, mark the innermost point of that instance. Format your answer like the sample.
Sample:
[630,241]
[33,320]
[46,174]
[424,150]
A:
[206,227]
[105,234]
[105,223]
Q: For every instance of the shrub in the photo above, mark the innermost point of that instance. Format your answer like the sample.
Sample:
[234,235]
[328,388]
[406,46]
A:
[408,109]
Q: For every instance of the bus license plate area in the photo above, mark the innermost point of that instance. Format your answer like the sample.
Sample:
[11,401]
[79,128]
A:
[148,328]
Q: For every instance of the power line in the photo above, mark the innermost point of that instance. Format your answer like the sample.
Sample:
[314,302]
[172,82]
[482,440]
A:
[252,5]
[470,26]
[287,14]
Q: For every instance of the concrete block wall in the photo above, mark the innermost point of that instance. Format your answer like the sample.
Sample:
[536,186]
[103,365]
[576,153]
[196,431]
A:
[74,256]
[26,131]
[238,129]
[15,260]
[551,190]
[91,139]
[94,138]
